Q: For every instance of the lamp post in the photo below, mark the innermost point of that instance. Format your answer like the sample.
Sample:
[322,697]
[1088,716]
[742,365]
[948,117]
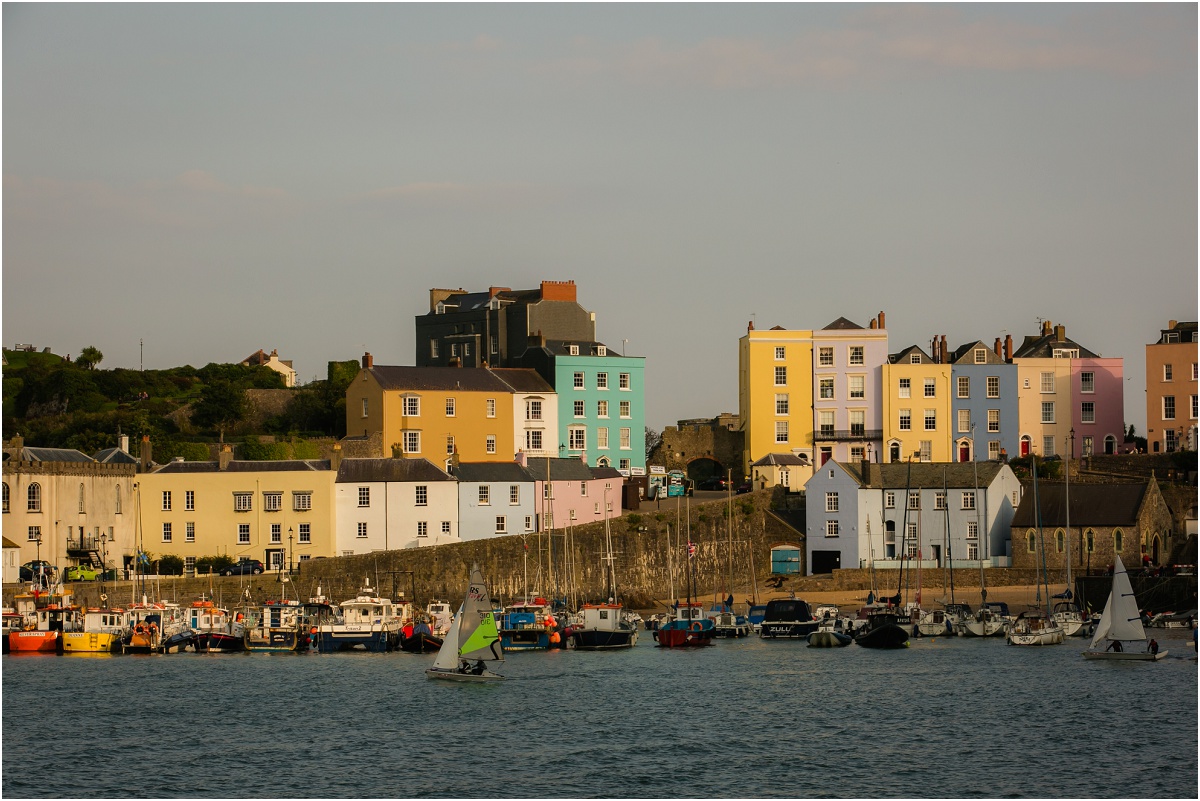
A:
[41,572]
[103,559]
[290,550]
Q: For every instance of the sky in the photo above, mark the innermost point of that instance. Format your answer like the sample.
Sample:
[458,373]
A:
[213,179]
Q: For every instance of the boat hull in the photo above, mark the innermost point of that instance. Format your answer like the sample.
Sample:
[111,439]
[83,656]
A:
[524,640]
[828,639]
[1053,637]
[983,628]
[91,642]
[377,641]
[890,635]
[1125,656]
[421,644]
[219,642]
[454,675]
[33,642]
[797,630]
[595,639]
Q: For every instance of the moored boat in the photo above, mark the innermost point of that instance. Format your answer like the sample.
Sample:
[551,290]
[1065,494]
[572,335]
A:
[882,627]
[418,638]
[1034,627]
[368,622]
[990,620]
[604,626]
[277,626]
[787,617]
[441,616]
[688,629]
[216,630]
[828,636]
[527,625]
[100,634]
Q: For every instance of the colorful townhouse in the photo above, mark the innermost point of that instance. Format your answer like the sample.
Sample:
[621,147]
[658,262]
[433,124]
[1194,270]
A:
[535,411]
[390,504]
[279,512]
[984,407]
[916,407]
[1069,398]
[569,492]
[847,385]
[775,394]
[495,499]
[955,514]
[1171,409]
[436,412]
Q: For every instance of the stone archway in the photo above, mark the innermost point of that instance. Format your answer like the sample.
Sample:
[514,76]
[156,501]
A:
[703,467]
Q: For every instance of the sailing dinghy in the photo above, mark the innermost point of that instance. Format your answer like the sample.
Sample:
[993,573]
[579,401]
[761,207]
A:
[1119,634]
[473,639]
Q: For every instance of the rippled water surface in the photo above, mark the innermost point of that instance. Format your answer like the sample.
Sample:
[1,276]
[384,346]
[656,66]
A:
[750,718]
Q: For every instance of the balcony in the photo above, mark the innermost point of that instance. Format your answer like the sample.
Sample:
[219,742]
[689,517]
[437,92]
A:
[847,434]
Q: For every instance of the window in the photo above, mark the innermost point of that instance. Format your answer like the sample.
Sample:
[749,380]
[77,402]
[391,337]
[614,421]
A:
[993,386]
[577,438]
[1090,538]
[412,406]
[625,407]
[362,531]
[243,534]
[914,500]
[856,354]
[446,528]
[578,407]
[968,499]
[857,452]
[905,388]
[939,500]
[1088,445]
[491,443]
[1195,370]
[910,550]
[825,357]
[364,496]
[243,501]
[831,502]
[889,500]
[528,523]
[533,440]
[421,494]
[1168,407]
[993,421]
[780,353]
[433,348]
[964,386]
[1087,382]
[305,532]
[1058,541]
[1194,410]
[972,530]
[623,380]
[602,408]
[981,355]
[781,404]
[81,505]
[825,387]
[272,501]
[858,423]
[602,438]
[972,552]
[189,565]
[116,504]
[34,533]
[1048,412]
[166,537]
[1087,412]
[577,381]
[493,345]
[781,376]
[1030,542]
[1118,541]
[491,407]
[501,524]
[449,444]
[533,410]
[1047,446]
[1168,373]
[412,441]
[189,501]
[583,489]
[831,528]
[1047,384]
[466,349]
[931,387]
[572,350]
[301,501]
[905,420]
[364,407]
[931,419]
[449,407]
[601,380]
[857,386]
[964,420]
[189,532]
[276,532]
[166,500]
[826,420]
[514,494]
[485,495]
[914,358]
[926,450]
[625,439]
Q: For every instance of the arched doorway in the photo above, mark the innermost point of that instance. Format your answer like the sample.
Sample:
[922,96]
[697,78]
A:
[1026,444]
[894,452]
[1110,445]
[704,468]
[1154,550]
[964,450]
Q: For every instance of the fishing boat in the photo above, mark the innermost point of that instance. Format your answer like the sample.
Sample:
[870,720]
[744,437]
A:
[604,626]
[46,616]
[526,625]
[689,628]
[787,617]
[277,626]
[1120,635]
[990,620]
[417,637]
[216,631]
[368,622]
[13,621]
[100,634]
[473,637]
[882,627]
[441,615]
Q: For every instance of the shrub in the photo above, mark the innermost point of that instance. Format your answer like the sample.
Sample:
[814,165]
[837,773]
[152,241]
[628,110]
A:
[170,565]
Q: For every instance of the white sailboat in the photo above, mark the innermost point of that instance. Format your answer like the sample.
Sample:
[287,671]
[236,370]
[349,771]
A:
[1036,626]
[1119,634]
[473,639]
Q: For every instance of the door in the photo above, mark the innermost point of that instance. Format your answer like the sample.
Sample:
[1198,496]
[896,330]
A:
[964,452]
[826,561]
[937,554]
[1025,445]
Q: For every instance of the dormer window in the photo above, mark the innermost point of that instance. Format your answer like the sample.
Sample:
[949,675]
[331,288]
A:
[493,304]
[914,358]
[573,350]
[1066,353]
[601,350]
[981,355]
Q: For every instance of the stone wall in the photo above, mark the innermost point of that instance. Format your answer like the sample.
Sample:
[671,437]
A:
[683,444]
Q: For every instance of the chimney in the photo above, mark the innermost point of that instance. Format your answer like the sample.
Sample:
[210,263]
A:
[335,461]
[866,471]
[1172,323]
[367,361]
[493,291]
[996,347]
[224,457]
[943,350]
[123,443]
[873,323]
[749,326]
[1008,347]
[558,290]
[881,321]
[933,349]
[521,459]
[1046,328]
[397,450]
[144,462]
[1060,333]
[16,445]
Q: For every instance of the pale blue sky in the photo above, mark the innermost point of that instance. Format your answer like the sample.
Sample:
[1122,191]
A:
[219,178]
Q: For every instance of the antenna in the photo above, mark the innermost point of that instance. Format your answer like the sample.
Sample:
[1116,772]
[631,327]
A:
[141,353]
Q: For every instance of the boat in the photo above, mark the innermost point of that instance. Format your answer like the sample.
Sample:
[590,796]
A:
[473,637]
[215,630]
[755,615]
[787,617]
[1037,626]
[604,626]
[936,623]
[526,625]
[1173,620]
[689,628]
[418,638]
[990,620]
[367,622]
[882,627]
[827,634]
[726,622]
[101,633]
[277,626]
[1120,635]
[13,621]
[46,616]
[441,615]
[1068,615]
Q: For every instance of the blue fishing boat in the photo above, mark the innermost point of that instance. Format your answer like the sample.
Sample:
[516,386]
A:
[527,625]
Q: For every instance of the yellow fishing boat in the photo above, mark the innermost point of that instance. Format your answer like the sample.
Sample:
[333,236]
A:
[102,630]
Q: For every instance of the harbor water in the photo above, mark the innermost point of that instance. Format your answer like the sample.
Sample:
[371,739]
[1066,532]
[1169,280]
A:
[945,717]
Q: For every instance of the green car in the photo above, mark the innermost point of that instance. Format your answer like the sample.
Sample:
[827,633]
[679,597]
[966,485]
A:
[80,573]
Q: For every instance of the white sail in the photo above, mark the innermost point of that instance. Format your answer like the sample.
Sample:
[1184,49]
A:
[447,656]
[478,635]
[1120,619]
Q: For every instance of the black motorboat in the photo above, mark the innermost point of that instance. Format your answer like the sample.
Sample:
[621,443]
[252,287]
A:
[882,628]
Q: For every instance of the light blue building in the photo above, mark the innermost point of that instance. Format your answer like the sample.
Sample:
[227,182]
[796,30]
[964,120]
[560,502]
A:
[984,395]
[602,402]
[495,499]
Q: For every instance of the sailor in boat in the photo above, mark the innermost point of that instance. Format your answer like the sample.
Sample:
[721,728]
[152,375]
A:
[1115,645]
[465,667]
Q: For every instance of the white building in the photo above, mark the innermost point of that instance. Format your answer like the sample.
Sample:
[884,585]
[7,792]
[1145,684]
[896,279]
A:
[535,411]
[388,504]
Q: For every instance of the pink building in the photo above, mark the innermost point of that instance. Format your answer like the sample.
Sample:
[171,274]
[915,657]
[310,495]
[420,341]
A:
[1098,411]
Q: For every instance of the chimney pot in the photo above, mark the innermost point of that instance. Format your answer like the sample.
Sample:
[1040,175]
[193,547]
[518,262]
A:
[1046,328]
[942,351]
[881,321]
[997,348]
[1008,347]
[368,361]
[750,326]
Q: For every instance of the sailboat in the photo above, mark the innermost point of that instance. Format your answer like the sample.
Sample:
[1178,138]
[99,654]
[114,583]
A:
[1037,626]
[604,625]
[1119,634]
[1066,611]
[991,620]
[473,636]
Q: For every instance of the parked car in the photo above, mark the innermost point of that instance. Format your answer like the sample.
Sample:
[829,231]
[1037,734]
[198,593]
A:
[714,483]
[744,487]
[244,567]
[80,573]
[29,570]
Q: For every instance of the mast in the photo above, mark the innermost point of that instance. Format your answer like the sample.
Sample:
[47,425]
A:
[612,570]
[949,571]
[1037,504]
[729,491]
[1067,537]
[980,537]
[904,533]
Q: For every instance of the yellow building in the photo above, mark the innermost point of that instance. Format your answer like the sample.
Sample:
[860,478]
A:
[916,408]
[431,412]
[775,389]
[1044,390]
[278,512]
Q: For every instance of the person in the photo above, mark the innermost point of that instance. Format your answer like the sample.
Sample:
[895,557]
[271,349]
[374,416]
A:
[465,667]
[1114,646]
[1153,646]
[478,671]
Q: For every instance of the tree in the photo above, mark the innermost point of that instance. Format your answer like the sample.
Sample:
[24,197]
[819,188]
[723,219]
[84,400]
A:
[653,440]
[89,357]
[221,405]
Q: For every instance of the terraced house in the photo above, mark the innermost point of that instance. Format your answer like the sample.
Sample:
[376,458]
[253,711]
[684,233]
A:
[983,406]
[1171,402]
[775,393]
[388,504]
[916,406]
[847,373]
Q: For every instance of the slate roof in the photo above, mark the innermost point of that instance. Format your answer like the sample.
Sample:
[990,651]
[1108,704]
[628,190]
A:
[966,353]
[239,466]
[903,356]
[1091,505]
[1043,346]
[466,379]
[522,379]
[561,469]
[500,472]
[53,455]
[114,456]
[782,460]
[561,347]
[841,324]
[1185,331]
[365,470]
[925,475]
[606,472]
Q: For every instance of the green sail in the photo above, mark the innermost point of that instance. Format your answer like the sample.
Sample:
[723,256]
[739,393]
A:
[482,642]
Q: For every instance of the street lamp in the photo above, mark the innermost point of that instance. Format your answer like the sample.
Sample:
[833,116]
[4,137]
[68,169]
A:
[289,550]
[41,571]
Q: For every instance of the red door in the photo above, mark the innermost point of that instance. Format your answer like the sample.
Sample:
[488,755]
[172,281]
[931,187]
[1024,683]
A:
[964,452]
[1024,446]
